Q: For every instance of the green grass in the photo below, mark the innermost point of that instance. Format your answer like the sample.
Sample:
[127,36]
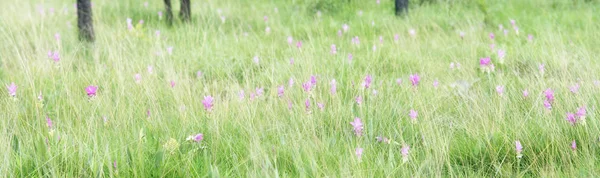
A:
[460,131]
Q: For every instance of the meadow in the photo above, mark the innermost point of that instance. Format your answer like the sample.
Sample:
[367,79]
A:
[301,88]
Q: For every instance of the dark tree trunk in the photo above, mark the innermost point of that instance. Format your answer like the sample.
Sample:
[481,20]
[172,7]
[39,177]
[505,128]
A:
[401,6]
[84,20]
[169,12]
[185,11]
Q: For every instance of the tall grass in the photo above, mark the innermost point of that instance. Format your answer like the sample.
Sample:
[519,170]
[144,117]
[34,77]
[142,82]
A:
[464,127]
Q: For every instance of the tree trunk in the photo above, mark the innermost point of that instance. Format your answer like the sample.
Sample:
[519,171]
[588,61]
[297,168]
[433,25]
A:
[185,10]
[169,12]
[401,6]
[84,20]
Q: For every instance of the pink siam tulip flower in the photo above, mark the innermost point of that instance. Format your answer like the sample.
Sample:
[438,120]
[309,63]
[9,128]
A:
[291,82]
[530,37]
[500,90]
[299,44]
[541,68]
[321,106]
[12,89]
[501,55]
[571,118]
[333,49]
[404,151]
[350,57]
[581,112]
[414,79]
[547,104]
[525,93]
[519,149]
[492,36]
[137,77]
[208,103]
[196,138]
[574,88]
[280,91]
[49,122]
[266,18]
[356,40]
[268,30]
[383,139]
[290,40]
[357,126]
[172,83]
[291,61]
[413,115]
[367,82]
[462,35]
[307,105]
[513,22]
[241,95]
[486,65]
[359,100]
[260,91]
[398,81]
[505,32]
[333,87]
[573,145]
[54,56]
[170,50]
[339,33]
[345,27]
[436,83]
[256,59]
[91,90]
[150,69]
[359,152]
[313,80]
[549,95]
[307,86]
[199,74]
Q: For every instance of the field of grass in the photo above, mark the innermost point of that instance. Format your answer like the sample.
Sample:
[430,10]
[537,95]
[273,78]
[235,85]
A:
[286,104]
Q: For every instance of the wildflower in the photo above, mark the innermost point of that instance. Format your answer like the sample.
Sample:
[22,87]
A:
[321,106]
[199,74]
[137,77]
[333,49]
[547,104]
[501,54]
[571,118]
[339,32]
[241,94]
[333,87]
[350,57]
[49,122]
[292,61]
[574,145]
[313,80]
[359,152]
[492,36]
[160,14]
[291,82]
[255,59]
[512,22]
[55,56]
[525,93]
[516,29]
[265,18]
[574,88]
[171,145]
[356,40]
[12,89]
[170,50]
[414,79]
[412,32]
[299,44]
[404,151]
[268,30]
[374,48]
[549,95]
[357,126]
[208,103]
[172,83]
[383,139]
[413,115]
[290,40]
[280,91]
[57,37]
[541,68]
[307,104]
[367,82]
[381,39]
[436,83]
[195,138]
[530,37]
[260,91]
[345,27]
[486,64]
[581,112]
[359,100]
[150,69]
[518,149]
[398,81]
[91,90]
[500,90]
[462,35]
[396,37]
[307,86]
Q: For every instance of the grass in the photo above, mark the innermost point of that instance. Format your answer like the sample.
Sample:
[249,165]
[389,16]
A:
[464,127]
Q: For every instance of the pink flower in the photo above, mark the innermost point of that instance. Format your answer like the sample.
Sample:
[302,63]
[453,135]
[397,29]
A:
[541,68]
[518,149]
[413,115]
[574,145]
[291,82]
[357,126]
[12,89]
[414,79]
[574,88]
[333,49]
[525,93]
[137,77]
[359,100]
[398,81]
[549,95]
[307,86]
[208,103]
[268,30]
[500,90]
[492,36]
[198,137]
[290,40]
[345,27]
[321,106]
[339,33]
[547,104]
[367,82]
[266,18]
[581,112]
[333,87]
[255,59]
[170,50]
[299,44]
[160,14]
[150,69]
[280,91]
[172,83]
[307,104]
[501,54]
[383,139]
[356,40]
[530,37]
[359,152]
[91,90]
[436,83]
[381,39]
[404,151]
[512,22]
[350,57]
[462,35]
[54,56]
[260,91]
[313,80]
[57,36]
[241,95]
[199,74]
[396,37]
[485,62]
[49,122]
[571,118]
